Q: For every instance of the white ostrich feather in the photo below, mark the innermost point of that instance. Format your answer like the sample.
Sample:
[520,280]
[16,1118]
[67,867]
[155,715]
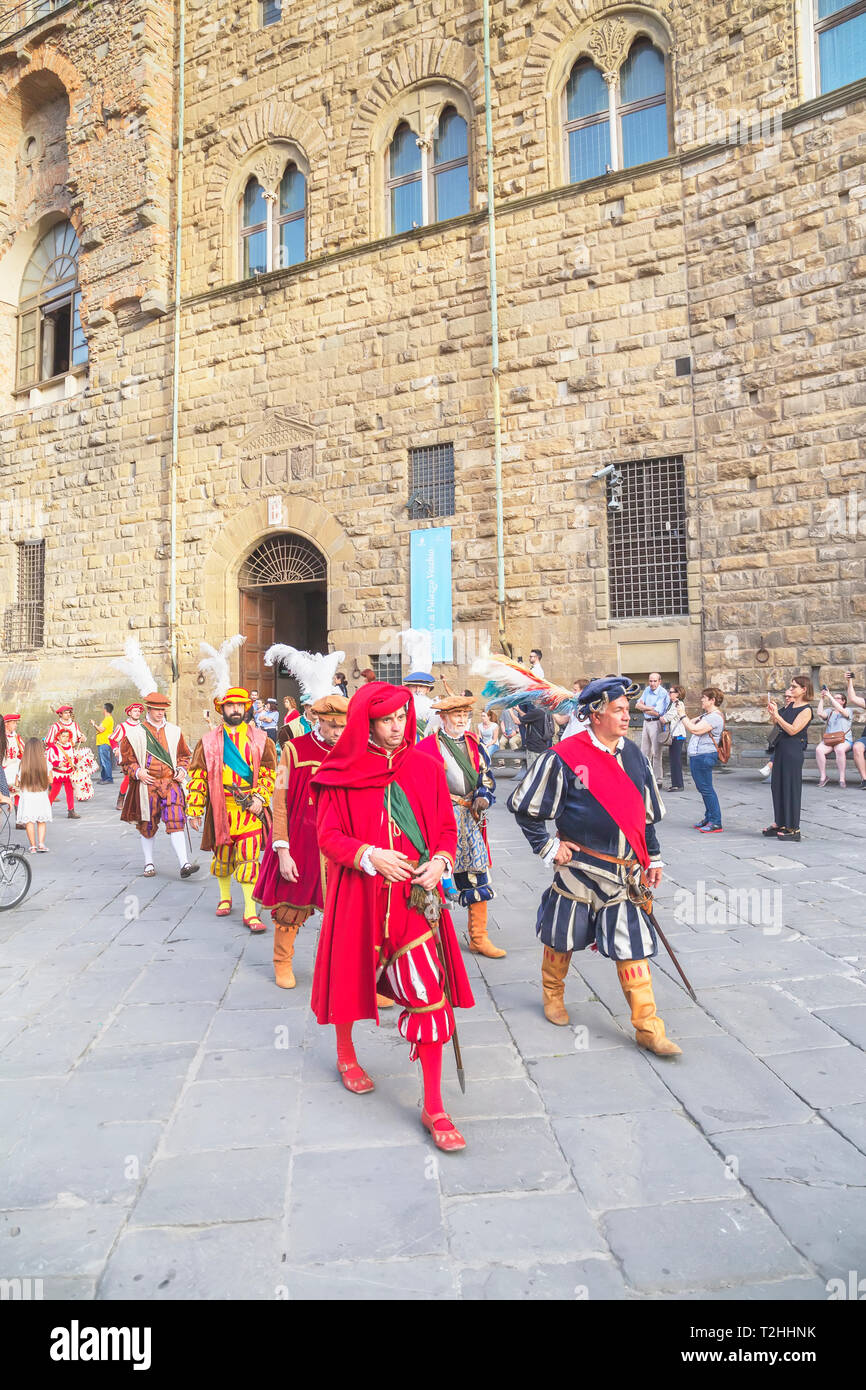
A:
[314,671]
[214,665]
[418,648]
[133,665]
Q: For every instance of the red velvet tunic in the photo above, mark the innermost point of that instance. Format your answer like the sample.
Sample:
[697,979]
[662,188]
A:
[367,920]
[294,811]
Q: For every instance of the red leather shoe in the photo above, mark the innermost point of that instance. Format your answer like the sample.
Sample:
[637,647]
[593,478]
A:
[224,908]
[255,924]
[448,1140]
[354,1078]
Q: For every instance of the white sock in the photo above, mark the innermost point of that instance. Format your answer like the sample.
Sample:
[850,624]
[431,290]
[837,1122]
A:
[147,846]
[178,840]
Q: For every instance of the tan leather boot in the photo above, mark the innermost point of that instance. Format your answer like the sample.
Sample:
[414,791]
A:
[554,969]
[284,951]
[636,981]
[479,942]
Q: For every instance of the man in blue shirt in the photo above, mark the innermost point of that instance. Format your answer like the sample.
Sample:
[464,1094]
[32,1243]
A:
[653,703]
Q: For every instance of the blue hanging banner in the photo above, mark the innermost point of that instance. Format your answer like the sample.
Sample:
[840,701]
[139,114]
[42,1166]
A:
[430,577]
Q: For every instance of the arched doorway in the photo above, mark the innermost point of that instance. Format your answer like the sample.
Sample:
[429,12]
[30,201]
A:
[283,594]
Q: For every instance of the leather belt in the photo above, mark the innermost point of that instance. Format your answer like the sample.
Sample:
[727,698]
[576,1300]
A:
[597,854]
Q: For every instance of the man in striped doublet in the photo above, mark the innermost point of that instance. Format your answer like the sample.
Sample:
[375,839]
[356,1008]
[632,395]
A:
[600,791]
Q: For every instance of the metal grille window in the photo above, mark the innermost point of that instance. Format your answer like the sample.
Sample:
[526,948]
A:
[646,539]
[388,668]
[25,620]
[431,481]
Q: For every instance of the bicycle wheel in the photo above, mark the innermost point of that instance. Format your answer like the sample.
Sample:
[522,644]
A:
[15,876]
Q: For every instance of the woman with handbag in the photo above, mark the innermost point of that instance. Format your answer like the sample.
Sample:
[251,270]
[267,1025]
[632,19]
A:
[837,734]
[672,719]
[788,755]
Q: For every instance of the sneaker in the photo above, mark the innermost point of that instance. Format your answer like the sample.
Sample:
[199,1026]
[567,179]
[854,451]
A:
[699,825]
[711,830]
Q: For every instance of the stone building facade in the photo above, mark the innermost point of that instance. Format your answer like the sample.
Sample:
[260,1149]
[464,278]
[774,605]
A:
[694,320]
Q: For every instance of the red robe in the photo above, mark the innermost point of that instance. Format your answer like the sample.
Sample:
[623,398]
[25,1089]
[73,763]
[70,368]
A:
[365,918]
[294,812]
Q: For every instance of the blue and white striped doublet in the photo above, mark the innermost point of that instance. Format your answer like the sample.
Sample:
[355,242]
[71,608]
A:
[588,900]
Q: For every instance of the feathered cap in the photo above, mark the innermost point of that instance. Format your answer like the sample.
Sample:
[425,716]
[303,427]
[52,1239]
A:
[418,649]
[134,666]
[214,666]
[314,671]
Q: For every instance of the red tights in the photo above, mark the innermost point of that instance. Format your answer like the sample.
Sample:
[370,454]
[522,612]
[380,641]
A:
[430,1057]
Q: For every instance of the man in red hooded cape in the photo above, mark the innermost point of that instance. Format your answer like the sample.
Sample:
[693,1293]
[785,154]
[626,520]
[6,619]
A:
[386,828]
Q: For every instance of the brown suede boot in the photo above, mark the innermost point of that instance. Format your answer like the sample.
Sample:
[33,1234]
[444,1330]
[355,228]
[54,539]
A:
[479,942]
[636,981]
[284,952]
[554,969]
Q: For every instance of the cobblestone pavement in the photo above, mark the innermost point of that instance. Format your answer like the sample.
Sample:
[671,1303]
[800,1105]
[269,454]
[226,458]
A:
[172,1126]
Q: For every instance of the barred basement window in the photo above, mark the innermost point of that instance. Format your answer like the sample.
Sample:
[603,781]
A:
[388,668]
[646,539]
[431,481]
[24,627]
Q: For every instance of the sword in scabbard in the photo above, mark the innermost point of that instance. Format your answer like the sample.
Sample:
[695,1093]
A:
[458,1059]
[645,904]
[651,918]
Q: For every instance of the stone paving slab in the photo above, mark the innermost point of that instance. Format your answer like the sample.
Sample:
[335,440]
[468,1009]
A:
[813,1184]
[238,1261]
[704,1244]
[174,1125]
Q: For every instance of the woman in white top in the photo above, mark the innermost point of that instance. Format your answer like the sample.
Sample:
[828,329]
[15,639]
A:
[673,717]
[488,732]
[838,721]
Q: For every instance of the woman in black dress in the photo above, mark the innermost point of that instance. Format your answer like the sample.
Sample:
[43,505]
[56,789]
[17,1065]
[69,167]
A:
[788,754]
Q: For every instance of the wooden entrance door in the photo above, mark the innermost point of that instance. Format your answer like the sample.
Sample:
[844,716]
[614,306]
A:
[258,615]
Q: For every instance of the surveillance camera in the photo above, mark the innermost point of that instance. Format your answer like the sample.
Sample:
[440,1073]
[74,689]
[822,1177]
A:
[605,472]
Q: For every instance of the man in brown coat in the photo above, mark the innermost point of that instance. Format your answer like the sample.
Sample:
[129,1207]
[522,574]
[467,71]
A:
[155,757]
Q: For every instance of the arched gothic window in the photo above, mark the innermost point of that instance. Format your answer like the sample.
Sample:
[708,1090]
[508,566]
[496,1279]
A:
[620,123]
[50,338]
[428,180]
[273,230]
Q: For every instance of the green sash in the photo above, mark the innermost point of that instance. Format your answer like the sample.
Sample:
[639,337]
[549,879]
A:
[234,759]
[460,753]
[398,808]
[155,748]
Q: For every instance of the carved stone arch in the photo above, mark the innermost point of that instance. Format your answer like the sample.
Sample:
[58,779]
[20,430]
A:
[566,23]
[423,61]
[274,121]
[604,33]
[216,590]
[44,59]
[263,144]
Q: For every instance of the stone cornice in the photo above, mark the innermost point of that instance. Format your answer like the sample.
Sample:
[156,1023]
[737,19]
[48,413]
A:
[614,182]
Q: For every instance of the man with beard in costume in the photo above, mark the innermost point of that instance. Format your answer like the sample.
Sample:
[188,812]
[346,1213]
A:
[231,781]
[386,827]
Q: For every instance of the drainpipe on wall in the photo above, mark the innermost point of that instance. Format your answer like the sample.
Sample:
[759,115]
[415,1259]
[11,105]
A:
[494,331]
[175,392]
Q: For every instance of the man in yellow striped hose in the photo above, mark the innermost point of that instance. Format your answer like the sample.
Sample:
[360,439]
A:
[231,782]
